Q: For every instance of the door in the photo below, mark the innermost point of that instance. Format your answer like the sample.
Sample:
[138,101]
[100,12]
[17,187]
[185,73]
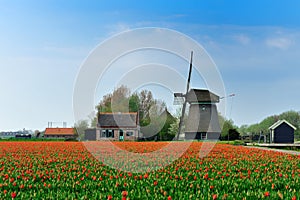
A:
[121,135]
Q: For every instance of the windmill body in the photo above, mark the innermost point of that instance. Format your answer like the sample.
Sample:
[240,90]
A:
[202,121]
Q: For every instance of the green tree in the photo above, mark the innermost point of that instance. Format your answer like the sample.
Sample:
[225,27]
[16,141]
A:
[80,127]
[118,101]
[173,128]
[154,121]
[292,117]
[134,102]
[227,127]
[243,129]
[165,134]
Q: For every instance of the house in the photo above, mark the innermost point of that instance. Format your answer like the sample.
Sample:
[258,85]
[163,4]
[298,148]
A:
[117,126]
[282,132]
[67,133]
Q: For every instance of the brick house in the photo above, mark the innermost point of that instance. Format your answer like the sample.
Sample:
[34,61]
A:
[118,126]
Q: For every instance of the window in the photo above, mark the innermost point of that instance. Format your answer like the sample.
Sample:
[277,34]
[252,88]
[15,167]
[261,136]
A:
[103,134]
[110,133]
[129,133]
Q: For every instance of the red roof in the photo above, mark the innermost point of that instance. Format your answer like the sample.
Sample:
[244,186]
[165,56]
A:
[59,131]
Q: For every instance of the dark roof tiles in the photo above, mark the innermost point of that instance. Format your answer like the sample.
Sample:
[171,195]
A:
[117,120]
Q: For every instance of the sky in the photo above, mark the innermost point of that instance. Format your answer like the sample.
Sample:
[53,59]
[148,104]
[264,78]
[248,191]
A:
[43,45]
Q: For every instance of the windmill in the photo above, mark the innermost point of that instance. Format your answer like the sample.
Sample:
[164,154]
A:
[202,121]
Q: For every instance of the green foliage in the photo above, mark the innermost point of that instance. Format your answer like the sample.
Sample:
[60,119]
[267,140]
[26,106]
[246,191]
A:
[94,122]
[165,133]
[228,127]
[80,127]
[134,103]
[292,117]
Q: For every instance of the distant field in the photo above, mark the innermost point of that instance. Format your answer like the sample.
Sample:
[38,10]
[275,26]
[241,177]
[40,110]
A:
[66,170]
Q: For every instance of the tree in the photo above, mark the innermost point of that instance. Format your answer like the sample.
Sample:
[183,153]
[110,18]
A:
[173,128]
[146,101]
[80,127]
[227,127]
[134,103]
[292,117]
[37,133]
[164,132]
[154,122]
[243,130]
[116,102]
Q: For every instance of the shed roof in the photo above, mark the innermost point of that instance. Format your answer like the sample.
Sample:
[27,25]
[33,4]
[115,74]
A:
[118,120]
[59,131]
[279,122]
[202,95]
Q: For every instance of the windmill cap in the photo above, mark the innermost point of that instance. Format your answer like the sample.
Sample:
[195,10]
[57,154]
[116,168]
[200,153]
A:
[202,96]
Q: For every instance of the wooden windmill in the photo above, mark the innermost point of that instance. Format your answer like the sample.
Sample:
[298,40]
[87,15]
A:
[202,121]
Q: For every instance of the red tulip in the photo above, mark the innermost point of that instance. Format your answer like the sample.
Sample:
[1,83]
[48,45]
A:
[13,195]
[215,197]
[267,194]
[124,193]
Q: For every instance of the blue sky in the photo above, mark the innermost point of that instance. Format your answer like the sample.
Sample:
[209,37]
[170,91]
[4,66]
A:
[255,45]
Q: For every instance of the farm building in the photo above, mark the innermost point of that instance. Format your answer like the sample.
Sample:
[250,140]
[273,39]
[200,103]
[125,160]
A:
[115,126]
[282,132]
[67,133]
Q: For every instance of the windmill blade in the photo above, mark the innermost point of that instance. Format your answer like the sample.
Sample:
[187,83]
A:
[185,99]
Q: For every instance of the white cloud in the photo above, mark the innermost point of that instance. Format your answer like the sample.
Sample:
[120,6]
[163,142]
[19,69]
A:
[281,42]
[241,38]
[118,28]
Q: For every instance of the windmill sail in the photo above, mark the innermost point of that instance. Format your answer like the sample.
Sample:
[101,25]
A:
[185,100]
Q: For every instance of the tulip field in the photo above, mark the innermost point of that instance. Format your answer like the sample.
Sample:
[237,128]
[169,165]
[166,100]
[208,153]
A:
[67,170]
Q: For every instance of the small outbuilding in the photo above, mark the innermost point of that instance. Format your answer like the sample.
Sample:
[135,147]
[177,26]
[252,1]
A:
[90,134]
[67,133]
[282,132]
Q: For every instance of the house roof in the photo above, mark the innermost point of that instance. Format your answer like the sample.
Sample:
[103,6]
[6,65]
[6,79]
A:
[279,122]
[59,131]
[201,95]
[117,120]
